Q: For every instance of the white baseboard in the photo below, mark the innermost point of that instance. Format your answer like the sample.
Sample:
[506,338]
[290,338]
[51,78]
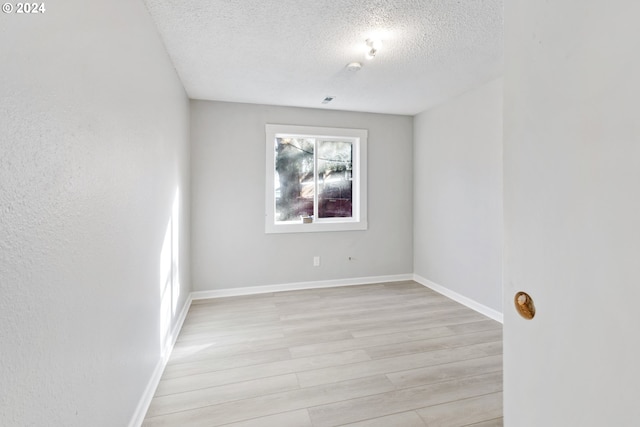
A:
[253,290]
[152,385]
[474,305]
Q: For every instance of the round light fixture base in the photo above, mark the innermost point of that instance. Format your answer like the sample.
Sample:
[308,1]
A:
[354,66]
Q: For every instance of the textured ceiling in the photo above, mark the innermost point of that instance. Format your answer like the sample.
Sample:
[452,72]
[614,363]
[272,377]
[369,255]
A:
[295,52]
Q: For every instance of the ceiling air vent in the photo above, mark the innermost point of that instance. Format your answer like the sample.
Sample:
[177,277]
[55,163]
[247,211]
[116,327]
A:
[328,99]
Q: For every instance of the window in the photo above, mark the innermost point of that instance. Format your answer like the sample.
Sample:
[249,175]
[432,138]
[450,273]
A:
[316,179]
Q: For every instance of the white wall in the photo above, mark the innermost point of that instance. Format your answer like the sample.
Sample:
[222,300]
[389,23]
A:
[458,195]
[94,147]
[572,210]
[229,246]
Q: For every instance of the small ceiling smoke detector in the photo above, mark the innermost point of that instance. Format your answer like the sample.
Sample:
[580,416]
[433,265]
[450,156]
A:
[328,99]
[354,66]
[373,47]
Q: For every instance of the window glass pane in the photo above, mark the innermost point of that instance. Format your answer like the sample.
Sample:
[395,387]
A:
[335,172]
[294,186]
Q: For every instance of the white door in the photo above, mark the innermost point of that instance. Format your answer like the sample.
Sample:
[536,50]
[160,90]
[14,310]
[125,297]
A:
[572,212]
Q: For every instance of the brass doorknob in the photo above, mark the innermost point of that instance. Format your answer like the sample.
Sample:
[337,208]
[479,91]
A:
[524,305]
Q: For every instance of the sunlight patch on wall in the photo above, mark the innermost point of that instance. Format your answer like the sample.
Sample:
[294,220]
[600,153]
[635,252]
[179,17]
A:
[170,275]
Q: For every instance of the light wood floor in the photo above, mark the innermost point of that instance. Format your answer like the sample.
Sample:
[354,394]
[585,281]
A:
[383,355]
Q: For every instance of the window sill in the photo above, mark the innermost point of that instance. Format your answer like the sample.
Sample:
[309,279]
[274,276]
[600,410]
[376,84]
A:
[299,227]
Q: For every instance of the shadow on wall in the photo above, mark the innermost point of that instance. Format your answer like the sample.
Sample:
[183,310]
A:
[170,276]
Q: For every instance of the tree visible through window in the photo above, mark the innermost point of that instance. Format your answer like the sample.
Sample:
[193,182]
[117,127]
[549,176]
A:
[316,178]
[306,167]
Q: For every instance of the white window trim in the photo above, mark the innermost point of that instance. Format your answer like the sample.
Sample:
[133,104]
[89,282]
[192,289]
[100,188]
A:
[358,221]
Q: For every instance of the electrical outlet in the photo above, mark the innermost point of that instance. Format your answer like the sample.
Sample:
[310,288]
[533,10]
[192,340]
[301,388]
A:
[316,261]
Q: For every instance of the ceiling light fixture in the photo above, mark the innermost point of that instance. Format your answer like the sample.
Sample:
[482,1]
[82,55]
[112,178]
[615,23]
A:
[373,47]
[354,66]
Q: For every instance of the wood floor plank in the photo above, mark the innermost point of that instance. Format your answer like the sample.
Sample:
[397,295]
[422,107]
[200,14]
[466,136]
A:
[246,409]
[408,399]
[443,319]
[345,308]
[464,412]
[193,352]
[370,341]
[225,339]
[162,405]
[498,422]
[372,320]
[213,363]
[403,419]
[287,419]
[493,348]
[261,324]
[389,365]
[390,303]
[446,371]
[264,370]
[482,325]
[421,346]
[395,337]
